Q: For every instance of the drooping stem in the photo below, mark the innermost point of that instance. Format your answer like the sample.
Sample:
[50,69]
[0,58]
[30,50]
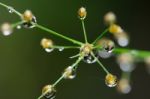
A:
[57,34]
[136,53]
[100,36]
[84,31]
[102,66]
[13,10]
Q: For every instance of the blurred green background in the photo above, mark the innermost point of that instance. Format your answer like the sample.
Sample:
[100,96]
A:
[25,67]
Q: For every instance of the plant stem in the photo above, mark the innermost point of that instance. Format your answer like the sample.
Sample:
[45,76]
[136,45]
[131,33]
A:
[57,34]
[73,65]
[9,7]
[66,47]
[84,31]
[136,53]
[16,24]
[100,36]
[103,67]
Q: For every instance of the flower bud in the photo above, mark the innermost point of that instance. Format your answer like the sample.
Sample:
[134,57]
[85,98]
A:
[49,92]
[69,73]
[115,29]
[111,80]
[82,13]
[110,18]
[6,29]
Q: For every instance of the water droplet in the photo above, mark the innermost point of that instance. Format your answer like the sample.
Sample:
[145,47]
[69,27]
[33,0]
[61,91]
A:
[104,54]
[89,59]
[126,62]
[49,50]
[61,49]
[69,73]
[123,41]
[127,67]
[10,9]
[19,27]
[49,92]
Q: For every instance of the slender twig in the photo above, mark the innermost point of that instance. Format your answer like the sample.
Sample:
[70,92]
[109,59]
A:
[57,34]
[136,53]
[84,31]
[16,24]
[73,65]
[100,36]
[103,67]
[66,47]
[9,7]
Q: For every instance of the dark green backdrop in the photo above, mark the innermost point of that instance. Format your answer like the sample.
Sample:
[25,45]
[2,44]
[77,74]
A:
[25,67]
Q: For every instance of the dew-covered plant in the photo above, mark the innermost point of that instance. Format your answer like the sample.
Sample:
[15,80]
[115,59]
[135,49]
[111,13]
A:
[101,48]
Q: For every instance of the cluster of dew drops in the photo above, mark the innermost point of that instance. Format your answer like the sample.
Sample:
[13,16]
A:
[125,60]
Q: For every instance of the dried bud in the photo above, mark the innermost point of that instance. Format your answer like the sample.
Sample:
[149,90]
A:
[106,44]
[29,19]
[47,44]
[6,29]
[49,92]
[111,80]
[82,13]
[124,86]
[110,18]
[115,29]
[27,16]
[69,73]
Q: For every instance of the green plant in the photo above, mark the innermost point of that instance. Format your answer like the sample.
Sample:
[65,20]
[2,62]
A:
[88,52]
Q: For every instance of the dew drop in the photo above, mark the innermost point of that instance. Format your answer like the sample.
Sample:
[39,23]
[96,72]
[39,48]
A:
[10,9]
[104,54]
[19,27]
[89,59]
[61,49]
[123,41]
[49,50]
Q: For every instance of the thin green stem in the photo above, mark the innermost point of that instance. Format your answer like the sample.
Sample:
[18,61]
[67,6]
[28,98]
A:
[102,66]
[136,53]
[126,75]
[84,31]
[100,36]
[57,34]
[16,24]
[13,10]
[73,65]
[60,78]
[66,47]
